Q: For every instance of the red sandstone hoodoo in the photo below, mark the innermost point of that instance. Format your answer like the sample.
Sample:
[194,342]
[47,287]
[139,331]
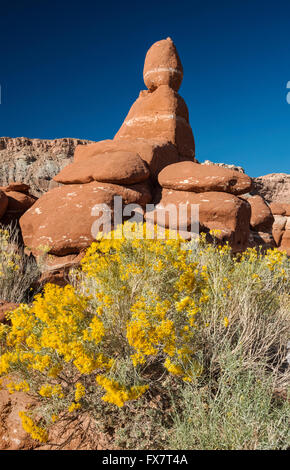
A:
[152,154]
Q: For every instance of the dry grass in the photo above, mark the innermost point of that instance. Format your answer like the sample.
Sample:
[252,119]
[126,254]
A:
[18,271]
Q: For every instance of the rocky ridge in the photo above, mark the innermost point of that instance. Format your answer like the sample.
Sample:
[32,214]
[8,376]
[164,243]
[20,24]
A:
[274,187]
[34,161]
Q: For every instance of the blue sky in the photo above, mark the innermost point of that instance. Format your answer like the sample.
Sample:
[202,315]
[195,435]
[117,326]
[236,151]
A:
[73,69]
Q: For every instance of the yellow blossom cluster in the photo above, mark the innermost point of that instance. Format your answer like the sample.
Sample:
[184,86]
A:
[118,394]
[13,387]
[49,391]
[80,391]
[31,428]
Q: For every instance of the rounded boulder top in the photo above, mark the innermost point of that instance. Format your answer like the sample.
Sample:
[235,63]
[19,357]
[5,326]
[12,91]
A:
[162,66]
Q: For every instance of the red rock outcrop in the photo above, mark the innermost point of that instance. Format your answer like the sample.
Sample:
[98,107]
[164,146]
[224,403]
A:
[274,187]
[161,115]
[190,176]
[156,154]
[285,241]
[286,207]
[117,167]
[261,216]
[63,218]
[18,203]
[16,187]
[155,134]
[155,143]
[277,208]
[16,199]
[217,211]
[261,223]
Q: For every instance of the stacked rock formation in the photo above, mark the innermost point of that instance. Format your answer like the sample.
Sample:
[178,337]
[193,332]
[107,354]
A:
[160,112]
[15,199]
[281,225]
[215,190]
[62,218]
[155,133]
[152,157]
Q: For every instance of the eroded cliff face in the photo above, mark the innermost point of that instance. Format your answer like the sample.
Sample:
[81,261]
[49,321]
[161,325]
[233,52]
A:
[34,161]
[274,187]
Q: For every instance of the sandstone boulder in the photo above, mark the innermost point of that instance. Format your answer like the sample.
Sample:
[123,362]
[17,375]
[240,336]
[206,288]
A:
[217,210]
[55,269]
[277,235]
[55,263]
[17,186]
[162,66]
[286,208]
[277,209]
[145,190]
[279,222]
[113,167]
[160,115]
[261,216]
[62,219]
[155,153]
[285,242]
[190,176]
[281,225]
[18,203]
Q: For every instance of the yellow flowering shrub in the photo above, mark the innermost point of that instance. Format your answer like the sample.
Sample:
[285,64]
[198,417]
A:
[135,303]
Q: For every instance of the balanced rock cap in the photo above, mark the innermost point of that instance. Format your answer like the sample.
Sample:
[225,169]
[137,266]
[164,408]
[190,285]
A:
[162,66]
